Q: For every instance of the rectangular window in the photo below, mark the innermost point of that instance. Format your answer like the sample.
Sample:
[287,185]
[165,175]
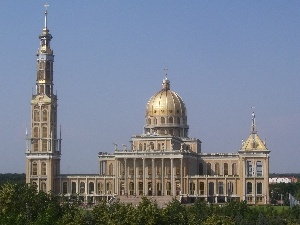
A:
[259,168]
[65,188]
[201,188]
[74,188]
[249,168]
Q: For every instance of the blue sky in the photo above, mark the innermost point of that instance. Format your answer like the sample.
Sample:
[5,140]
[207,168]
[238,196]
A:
[222,57]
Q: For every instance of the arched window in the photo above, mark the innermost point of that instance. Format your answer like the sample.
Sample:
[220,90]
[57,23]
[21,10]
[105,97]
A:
[208,169]
[45,115]
[43,168]
[44,135]
[201,169]
[155,121]
[65,188]
[149,121]
[36,116]
[82,187]
[44,145]
[91,188]
[234,172]
[249,188]
[217,169]
[162,120]
[225,168]
[34,184]
[35,132]
[170,119]
[43,187]
[34,168]
[122,168]
[211,188]
[140,146]
[259,188]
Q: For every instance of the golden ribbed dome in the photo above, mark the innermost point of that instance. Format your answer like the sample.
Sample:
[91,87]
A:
[166,103]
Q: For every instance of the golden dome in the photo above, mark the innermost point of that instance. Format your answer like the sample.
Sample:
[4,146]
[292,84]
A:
[165,103]
[166,113]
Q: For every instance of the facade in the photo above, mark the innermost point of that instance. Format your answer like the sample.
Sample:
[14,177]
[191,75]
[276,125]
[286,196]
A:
[162,162]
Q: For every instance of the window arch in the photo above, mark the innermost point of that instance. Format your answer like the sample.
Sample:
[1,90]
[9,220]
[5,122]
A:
[162,120]
[34,168]
[36,116]
[45,115]
[43,168]
[140,146]
[145,146]
[170,119]
[109,187]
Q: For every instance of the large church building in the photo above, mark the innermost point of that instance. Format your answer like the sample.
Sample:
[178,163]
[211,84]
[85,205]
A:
[163,162]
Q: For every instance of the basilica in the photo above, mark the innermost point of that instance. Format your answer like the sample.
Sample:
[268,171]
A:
[163,162]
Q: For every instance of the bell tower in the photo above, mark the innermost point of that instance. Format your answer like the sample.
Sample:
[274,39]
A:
[43,148]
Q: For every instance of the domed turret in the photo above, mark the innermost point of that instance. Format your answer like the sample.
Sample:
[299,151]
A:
[166,113]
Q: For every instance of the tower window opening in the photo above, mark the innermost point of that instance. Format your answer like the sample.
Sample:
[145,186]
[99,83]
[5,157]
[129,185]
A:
[259,188]
[249,168]
[36,116]
[249,188]
[35,132]
[259,171]
[34,168]
[45,115]
[43,169]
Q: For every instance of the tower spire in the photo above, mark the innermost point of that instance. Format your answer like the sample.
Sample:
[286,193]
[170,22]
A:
[46,13]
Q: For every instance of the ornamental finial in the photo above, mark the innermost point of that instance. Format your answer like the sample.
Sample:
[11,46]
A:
[46,13]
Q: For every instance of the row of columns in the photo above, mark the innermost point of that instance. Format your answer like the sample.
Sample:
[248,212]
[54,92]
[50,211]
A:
[153,175]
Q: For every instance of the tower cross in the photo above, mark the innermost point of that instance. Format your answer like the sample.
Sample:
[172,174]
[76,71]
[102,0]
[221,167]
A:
[46,6]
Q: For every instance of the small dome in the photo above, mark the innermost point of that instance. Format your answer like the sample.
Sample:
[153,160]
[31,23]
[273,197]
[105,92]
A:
[165,103]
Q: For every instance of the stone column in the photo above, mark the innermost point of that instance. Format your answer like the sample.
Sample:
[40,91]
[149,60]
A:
[162,177]
[153,177]
[172,177]
[134,176]
[144,177]
[181,175]
[125,178]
